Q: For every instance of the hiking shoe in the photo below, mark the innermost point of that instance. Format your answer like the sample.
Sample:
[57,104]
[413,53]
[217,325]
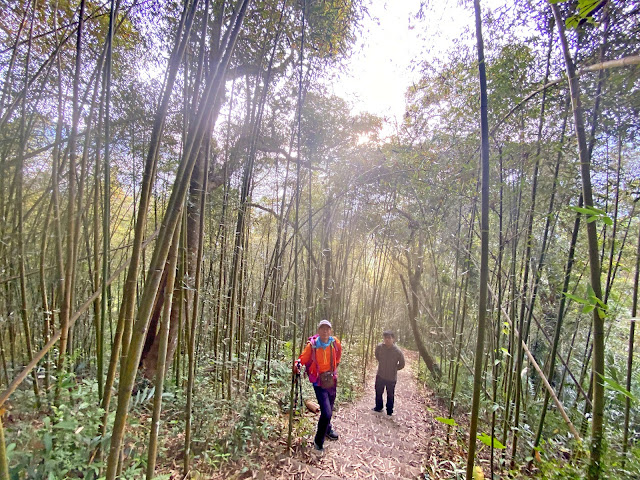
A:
[389,413]
[317,447]
[332,435]
[376,410]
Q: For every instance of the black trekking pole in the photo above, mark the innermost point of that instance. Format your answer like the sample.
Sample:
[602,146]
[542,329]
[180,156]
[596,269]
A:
[301,399]
[296,386]
[297,392]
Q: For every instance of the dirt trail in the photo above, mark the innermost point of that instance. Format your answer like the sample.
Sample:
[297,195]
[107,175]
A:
[373,445]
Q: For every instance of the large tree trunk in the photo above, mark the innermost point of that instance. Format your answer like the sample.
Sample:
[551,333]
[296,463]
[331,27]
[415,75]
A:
[149,360]
[413,302]
[128,300]
[174,209]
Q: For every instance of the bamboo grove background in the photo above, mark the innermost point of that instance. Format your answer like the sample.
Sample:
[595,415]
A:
[182,199]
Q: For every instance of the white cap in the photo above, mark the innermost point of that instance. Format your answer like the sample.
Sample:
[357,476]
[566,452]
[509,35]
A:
[324,322]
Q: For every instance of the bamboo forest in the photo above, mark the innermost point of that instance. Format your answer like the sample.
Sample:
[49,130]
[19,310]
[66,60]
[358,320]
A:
[199,228]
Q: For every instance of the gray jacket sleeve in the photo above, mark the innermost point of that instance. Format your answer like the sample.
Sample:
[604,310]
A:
[400,359]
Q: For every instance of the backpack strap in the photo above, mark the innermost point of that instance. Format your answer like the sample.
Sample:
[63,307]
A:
[313,354]
[331,364]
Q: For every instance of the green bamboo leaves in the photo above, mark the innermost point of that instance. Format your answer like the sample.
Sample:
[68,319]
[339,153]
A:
[488,440]
[611,384]
[447,421]
[593,214]
[586,9]
[590,303]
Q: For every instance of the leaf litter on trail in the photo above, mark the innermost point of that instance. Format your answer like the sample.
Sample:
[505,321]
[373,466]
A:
[374,445]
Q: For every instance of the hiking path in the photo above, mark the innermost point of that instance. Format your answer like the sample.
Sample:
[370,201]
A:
[410,444]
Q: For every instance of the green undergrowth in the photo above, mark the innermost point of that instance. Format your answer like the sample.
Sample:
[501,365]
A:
[245,431]
[58,441]
[242,433]
[558,456]
[236,432]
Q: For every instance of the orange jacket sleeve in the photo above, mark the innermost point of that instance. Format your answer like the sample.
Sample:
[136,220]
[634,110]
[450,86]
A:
[305,356]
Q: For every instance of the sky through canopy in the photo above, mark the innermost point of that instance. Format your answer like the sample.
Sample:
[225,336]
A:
[395,37]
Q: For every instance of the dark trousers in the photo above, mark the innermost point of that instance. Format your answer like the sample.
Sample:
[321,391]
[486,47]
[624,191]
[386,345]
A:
[326,398]
[390,385]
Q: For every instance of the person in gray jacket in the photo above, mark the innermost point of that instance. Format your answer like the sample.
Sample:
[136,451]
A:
[390,360]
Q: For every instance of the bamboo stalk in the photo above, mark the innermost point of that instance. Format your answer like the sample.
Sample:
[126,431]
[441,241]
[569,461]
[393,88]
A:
[598,364]
[194,317]
[546,383]
[172,261]
[484,243]
[54,338]
[168,225]
[4,464]
[632,326]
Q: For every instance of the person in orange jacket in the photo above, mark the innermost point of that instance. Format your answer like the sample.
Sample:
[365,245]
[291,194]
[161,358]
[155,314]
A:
[321,357]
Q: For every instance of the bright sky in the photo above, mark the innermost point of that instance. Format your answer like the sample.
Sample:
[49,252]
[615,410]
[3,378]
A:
[392,43]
